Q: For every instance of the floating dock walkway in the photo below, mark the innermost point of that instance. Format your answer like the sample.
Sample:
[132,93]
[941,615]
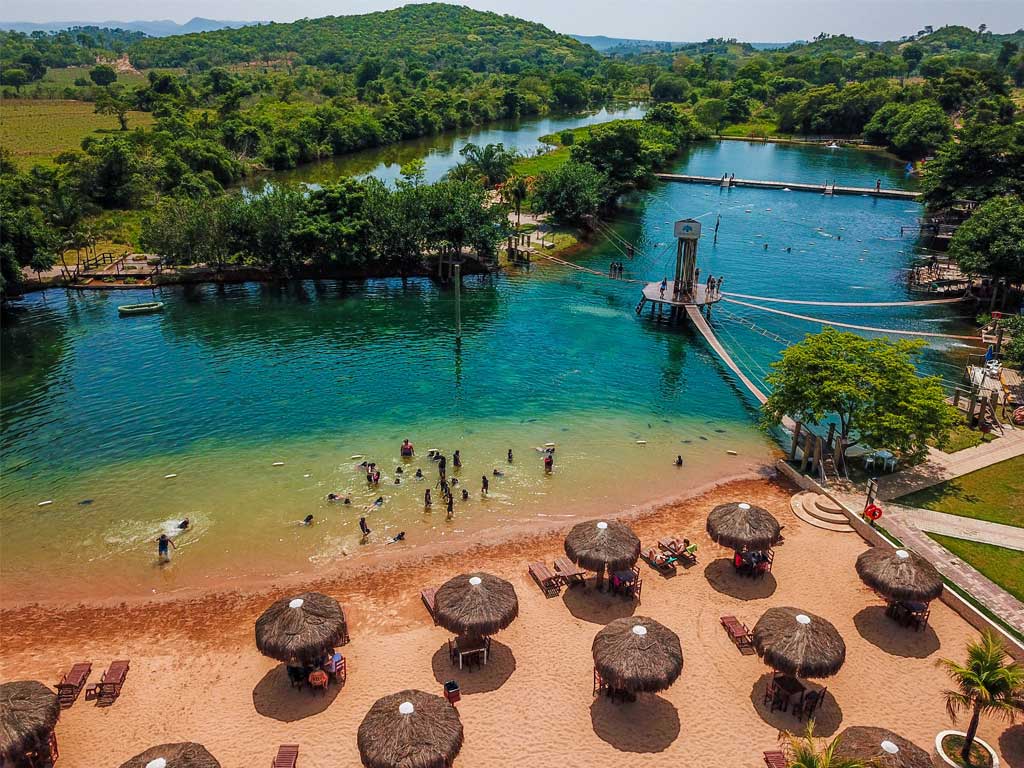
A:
[821,189]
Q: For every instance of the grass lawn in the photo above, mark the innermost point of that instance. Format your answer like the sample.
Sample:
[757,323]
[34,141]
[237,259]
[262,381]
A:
[757,128]
[994,493]
[37,130]
[962,437]
[66,76]
[1003,566]
[549,161]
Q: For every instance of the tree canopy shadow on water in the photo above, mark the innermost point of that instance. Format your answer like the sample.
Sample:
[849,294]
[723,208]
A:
[649,724]
[723,578]
[827,718]
[501,663]
[274,697]
[887,635]
[587,603]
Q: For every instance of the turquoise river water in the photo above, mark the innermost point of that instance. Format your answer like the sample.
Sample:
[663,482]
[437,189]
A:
[242,407]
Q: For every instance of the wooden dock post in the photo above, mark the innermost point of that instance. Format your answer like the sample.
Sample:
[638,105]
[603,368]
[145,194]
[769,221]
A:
[796,439]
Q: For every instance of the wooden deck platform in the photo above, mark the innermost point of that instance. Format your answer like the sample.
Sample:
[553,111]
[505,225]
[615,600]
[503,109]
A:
[899,194]
[701,297]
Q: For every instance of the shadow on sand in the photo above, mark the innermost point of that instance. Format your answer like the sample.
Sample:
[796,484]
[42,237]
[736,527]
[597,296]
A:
[274,697]
[1011,746]
[478,679]
[884,633]
[827,718]
[723,578]
[586,603]
[649,724]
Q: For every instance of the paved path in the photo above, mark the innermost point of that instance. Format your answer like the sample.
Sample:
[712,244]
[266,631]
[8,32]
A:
[904,527]
[983,531]
[940,466]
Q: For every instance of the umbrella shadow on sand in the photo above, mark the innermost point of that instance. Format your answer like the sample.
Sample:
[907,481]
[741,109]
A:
[885,634]
[827,718]
[649,724]
[722,577]
[476,679]
[588,604]
[1011,745]
[274,697]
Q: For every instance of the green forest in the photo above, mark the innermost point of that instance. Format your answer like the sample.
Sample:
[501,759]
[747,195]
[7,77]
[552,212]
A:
[223,105]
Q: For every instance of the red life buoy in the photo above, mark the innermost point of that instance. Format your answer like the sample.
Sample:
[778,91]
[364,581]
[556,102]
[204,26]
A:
[873,512]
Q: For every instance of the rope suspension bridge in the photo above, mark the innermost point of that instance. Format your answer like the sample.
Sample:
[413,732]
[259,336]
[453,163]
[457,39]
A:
[685,298]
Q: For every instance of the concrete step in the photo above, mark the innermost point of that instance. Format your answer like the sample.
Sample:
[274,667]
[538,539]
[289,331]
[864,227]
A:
[804,506]
[826,510]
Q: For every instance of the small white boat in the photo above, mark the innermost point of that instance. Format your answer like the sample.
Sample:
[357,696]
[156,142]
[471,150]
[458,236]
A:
[146,308]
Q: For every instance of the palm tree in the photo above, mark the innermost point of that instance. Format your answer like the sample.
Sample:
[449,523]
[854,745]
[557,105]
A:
[989,683]
[515,190]
[804,752]
[492,162]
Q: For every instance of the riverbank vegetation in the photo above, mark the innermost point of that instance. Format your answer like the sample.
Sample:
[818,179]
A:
[186,118]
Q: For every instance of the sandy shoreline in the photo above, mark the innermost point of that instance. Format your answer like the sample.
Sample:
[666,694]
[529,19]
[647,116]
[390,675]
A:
[196,674]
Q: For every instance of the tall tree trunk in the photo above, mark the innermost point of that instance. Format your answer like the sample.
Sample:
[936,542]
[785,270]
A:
[972,731]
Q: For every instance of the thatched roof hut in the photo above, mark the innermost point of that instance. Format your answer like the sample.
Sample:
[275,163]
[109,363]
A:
[28,713]
[799,643]
[302,628]
[475,604]
[186,754]
[881,748]
[898,574]
[638,654]
[410,729]
[738,525]
[597,545]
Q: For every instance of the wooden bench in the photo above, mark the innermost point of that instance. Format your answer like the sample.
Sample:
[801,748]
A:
[569,572]
[71,684]
[287,756]
[738,631]
[549,583]
[427,596]
[108,688]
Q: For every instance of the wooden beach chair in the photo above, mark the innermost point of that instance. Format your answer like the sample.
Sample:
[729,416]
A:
[71,684]
[109,687]
[667,565]
[427,596]
[675,547]
[737,631]
[287,756]
[571,574]
[550,584]
[775,759]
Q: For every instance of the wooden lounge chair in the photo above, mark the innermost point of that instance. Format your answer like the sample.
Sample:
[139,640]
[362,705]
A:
[549,582]
[738,632]
[569,571]
[71,684]
[427,596]
[108,688]
[287,756]
[678,550]
[775,759]
[666,565]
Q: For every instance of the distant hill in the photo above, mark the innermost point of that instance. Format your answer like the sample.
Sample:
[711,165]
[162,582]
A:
[628,45]
[431,36]
[156,28]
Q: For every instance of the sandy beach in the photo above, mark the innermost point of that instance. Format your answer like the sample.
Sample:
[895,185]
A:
[197,676]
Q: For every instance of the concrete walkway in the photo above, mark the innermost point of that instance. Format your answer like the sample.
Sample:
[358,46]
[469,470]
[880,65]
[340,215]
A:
[940,466]
[982,531]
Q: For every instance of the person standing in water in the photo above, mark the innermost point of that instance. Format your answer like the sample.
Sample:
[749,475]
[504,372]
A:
[364,527]
[426,498]
[407,450]
[451,507]
[509,455]
[484,484]
[163,545]
[549,462]
[456,459]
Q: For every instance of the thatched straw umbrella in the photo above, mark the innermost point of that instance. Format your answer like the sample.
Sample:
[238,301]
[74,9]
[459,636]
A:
[597,546]
[186,754]
[738,525]
[898,574]
[881,748]
[303,628]
[410,729]
[799,643]
[28,714]
[638,655]
[475,605]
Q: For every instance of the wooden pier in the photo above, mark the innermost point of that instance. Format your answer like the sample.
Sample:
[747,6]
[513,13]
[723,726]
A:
[676,304]
[821,189]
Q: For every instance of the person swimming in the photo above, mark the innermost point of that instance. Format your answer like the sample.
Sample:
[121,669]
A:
[400,536]
[455,481]
[398,481]
[333,497]
[465,495]
[347,500]
[679,461]
[184,524]
[307,520]
[379,501]
[497,473]
[419,473]
[399,471]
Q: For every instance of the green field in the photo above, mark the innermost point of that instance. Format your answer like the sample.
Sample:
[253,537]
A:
[66,76]
[36,131]
[994,493]
[1003,566]
[549,161]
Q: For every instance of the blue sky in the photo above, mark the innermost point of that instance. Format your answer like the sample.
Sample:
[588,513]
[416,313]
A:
[752,20]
